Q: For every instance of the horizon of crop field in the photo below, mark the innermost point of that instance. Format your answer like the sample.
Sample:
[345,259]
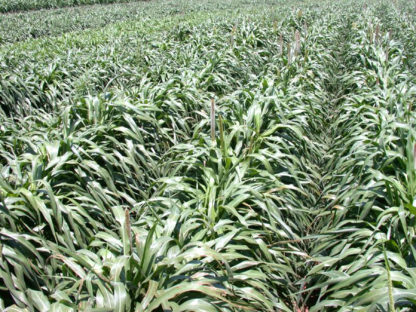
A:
[238,155]
[13,6]
[54,22]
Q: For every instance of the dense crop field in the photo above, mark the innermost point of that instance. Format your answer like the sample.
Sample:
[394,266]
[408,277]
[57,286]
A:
[26,5]
[35,24]
[209,156]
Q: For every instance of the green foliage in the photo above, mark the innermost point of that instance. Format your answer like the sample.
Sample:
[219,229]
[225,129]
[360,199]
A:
[41,23]
[25,5]
[114,197]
